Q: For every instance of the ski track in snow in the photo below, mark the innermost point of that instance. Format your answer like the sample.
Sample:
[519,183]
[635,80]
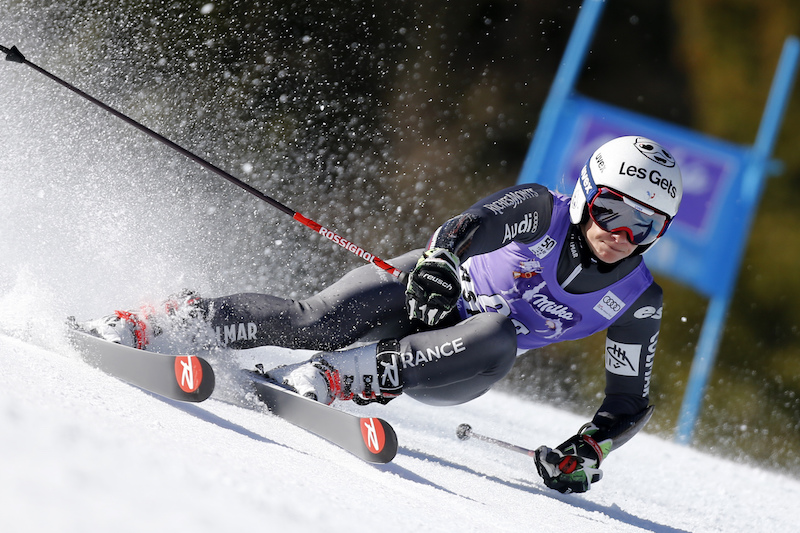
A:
[82,451]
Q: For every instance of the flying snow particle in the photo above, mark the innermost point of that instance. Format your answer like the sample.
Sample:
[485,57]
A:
[206,9]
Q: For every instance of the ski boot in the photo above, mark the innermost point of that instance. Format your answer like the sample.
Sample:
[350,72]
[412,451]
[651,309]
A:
[365,374]
[138,329]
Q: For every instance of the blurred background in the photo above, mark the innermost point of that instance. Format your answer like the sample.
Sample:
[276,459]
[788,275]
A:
[381,120]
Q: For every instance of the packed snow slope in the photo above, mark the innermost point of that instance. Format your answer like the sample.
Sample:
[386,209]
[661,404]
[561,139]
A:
[84,452]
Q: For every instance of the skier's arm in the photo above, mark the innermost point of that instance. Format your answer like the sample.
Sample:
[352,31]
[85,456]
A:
[629,352]
[630,347]
[520,213]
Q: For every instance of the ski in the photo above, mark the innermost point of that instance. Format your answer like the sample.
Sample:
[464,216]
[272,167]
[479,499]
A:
[370,439]
[186,378]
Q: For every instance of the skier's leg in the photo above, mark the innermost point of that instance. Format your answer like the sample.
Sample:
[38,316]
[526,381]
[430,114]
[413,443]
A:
[447,366]
[365,301]
[457,364]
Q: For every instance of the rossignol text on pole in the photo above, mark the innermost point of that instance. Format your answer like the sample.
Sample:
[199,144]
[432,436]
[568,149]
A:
[14,55]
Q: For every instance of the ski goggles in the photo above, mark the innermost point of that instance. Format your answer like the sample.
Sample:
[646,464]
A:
[615,212]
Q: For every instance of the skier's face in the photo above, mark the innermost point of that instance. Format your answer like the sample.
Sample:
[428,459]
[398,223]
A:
[608,247]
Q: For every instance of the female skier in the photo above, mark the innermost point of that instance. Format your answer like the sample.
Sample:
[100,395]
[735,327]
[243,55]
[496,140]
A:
[520,269]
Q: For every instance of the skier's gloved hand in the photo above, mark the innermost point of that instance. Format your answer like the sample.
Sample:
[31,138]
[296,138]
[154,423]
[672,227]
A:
[574,465]
[434,286]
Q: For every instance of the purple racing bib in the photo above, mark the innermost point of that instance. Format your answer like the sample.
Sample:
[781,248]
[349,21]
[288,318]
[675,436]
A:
[519,281]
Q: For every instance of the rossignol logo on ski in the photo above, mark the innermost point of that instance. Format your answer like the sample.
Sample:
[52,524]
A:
[373,435]
[188,373]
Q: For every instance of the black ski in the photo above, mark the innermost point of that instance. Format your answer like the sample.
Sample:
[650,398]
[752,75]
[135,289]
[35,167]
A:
[370,439]
[187,378]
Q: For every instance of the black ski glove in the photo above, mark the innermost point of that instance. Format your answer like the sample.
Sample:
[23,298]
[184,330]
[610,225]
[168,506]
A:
[434,286]
[574,465]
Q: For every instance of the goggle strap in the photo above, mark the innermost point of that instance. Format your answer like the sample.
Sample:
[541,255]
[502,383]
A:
[590,190]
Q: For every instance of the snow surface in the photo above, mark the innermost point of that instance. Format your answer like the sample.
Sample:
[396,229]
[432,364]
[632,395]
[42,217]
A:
[84,452]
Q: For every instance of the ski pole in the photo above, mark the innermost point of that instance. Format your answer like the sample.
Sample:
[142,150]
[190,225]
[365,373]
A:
[464,432]
[14,55]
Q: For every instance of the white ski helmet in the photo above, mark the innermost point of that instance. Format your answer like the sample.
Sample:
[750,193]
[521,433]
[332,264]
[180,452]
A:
[637,169]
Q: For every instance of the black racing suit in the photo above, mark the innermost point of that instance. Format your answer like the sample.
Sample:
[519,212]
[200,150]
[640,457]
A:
[369,304]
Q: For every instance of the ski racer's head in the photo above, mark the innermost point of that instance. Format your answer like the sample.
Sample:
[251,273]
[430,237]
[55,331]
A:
[630,187]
